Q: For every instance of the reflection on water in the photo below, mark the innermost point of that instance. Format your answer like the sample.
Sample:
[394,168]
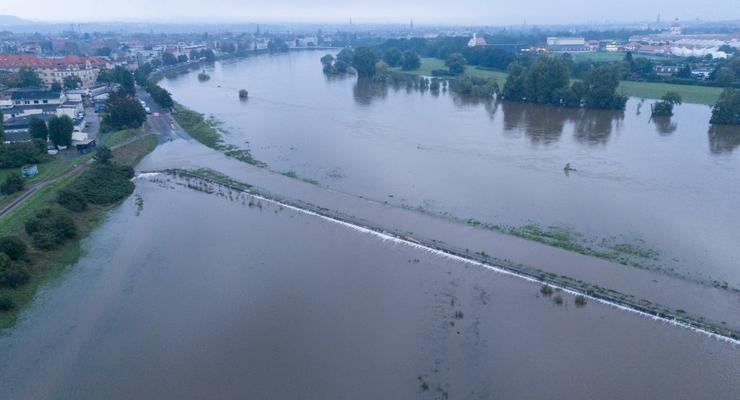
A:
[723,139]
[545,124]
[664,125]
[494,162]
[365,91]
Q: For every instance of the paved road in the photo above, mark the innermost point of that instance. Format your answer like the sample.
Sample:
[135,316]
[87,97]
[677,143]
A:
[160,121]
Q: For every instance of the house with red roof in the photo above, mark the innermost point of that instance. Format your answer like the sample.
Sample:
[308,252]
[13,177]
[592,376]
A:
[55,69]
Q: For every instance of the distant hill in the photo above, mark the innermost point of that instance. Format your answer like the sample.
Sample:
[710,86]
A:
[11,20]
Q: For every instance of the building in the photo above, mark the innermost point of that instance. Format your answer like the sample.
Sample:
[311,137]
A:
[666,70]
[477,41]
[55,69]
[675,27]
[566,44]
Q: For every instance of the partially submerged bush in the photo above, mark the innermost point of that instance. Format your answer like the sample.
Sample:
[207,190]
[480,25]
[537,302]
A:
[558,299]
[580,300]
[243,94]
[546,290]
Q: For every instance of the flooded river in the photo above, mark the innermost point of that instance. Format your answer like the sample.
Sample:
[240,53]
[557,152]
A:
[200,295]
[191,290]
[668,188]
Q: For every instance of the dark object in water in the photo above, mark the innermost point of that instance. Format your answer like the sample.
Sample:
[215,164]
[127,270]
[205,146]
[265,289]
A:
[568,168]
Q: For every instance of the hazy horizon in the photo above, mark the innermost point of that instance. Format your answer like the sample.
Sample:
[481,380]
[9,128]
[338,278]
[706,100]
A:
[479,12]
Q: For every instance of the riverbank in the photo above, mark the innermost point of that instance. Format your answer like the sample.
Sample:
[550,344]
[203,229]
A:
[44,266]
[646,90]
[205,131]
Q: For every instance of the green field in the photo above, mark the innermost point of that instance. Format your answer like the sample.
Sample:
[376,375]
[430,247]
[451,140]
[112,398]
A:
[430,64]
[647,90]
[689,93]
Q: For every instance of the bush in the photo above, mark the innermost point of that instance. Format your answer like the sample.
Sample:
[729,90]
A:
[104,183]
[6,303]
[558,299]
[50,228]
[72,200]
[13,183]
[580,300]
[13,246]
[4,261]
[546,290]
[15,155]
[243,94]
[15,276]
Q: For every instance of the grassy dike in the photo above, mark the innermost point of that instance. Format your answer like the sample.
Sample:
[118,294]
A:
[45,265]
[205,130]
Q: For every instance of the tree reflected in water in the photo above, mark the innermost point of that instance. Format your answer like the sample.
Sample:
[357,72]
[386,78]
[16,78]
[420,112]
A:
[723,139]
[664,125]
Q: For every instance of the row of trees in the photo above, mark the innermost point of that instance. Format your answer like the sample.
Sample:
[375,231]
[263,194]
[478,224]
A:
[58,129]
[547,81]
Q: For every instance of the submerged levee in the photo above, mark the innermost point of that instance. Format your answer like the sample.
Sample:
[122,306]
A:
[569,285]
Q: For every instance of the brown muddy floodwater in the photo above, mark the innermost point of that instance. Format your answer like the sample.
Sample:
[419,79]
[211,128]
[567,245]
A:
[670,187]
[223,296]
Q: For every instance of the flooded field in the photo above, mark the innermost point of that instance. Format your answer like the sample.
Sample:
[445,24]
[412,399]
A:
[191,295]
[663,191]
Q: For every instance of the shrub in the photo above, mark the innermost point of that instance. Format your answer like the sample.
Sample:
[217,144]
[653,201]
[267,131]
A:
[546,290]
[580,300]
[50,228]
[19,154]
[15,276]
[4,261]
[13,183]
[13,246]
[243,94]
[6,303]
[104,183]
[558,299]
[71,200]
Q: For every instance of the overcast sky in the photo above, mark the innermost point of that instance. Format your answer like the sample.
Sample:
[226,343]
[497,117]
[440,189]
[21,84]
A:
[493,12]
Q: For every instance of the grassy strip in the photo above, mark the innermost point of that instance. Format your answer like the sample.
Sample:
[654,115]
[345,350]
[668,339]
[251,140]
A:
[653,90]
[647,90]
[46,265]
[623,253]
[212,175]
[206,131]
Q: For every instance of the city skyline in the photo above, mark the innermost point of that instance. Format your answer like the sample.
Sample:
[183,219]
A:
[478,12]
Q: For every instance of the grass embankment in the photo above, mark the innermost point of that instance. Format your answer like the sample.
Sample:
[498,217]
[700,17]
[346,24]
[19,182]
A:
[205,130]
[43,265]
[623,253]
[647,90]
